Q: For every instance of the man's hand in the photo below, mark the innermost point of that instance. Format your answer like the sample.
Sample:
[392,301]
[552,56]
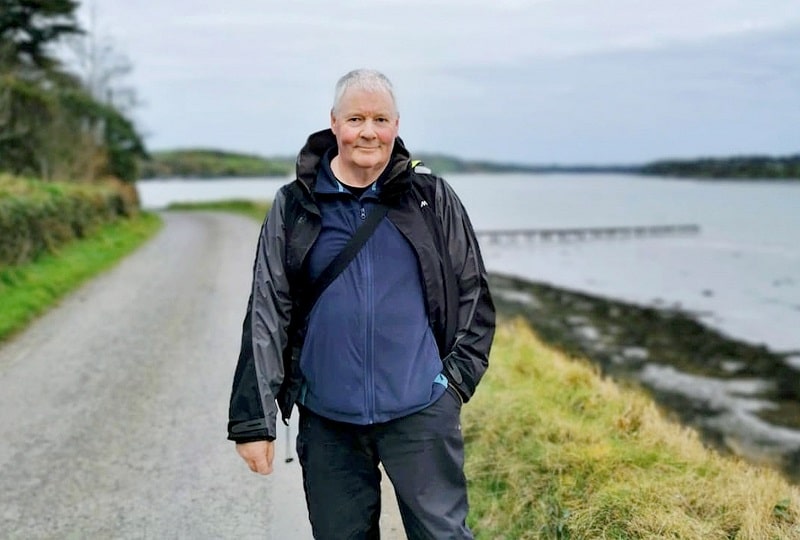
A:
[258,455]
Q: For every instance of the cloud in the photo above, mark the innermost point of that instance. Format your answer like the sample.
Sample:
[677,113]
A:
[564,80]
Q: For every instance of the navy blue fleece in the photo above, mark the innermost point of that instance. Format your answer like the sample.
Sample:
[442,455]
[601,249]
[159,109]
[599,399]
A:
[369,354]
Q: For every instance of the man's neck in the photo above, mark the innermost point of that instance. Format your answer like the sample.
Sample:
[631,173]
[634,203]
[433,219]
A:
[356,177]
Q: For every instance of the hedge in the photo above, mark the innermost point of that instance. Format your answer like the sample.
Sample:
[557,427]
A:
[37,217]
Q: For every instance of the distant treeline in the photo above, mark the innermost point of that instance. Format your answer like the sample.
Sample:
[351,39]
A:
[202,163]
[750,167]
[734,167]
[449,164]
[209,163]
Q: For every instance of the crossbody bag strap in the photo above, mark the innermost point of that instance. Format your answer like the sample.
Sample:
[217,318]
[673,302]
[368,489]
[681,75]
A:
[347,254]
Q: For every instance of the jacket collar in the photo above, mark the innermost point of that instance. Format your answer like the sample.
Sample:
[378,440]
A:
[394,180]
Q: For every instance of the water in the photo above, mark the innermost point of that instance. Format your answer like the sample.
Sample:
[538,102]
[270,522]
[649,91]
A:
[741,275]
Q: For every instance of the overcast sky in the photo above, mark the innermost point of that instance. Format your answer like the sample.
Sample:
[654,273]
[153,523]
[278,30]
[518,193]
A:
[547,81]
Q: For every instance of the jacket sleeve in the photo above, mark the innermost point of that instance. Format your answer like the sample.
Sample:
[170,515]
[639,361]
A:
[259,370]
[469,357]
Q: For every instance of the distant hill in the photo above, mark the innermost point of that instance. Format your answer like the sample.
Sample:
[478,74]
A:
[209,163]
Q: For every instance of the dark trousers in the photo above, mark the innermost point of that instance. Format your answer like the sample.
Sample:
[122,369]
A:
[422,453]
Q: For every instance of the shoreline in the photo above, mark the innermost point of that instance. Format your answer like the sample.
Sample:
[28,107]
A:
[743,399]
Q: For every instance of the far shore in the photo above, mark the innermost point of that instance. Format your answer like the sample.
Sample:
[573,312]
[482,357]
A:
[211,163]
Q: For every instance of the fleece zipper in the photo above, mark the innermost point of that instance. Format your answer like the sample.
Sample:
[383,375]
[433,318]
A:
[369,326]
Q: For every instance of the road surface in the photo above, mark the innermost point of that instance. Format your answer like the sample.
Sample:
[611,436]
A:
[113,406]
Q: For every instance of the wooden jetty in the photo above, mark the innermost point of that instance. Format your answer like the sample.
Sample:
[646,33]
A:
[585,233]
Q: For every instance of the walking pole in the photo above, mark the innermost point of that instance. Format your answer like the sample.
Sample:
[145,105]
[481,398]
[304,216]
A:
[289,457]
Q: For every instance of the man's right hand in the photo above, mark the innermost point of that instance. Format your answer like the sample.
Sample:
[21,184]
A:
[258,455]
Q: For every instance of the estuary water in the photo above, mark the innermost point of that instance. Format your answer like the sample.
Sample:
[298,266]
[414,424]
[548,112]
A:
[740,274]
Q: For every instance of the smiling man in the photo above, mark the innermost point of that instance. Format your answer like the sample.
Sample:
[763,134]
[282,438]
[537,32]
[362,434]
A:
[378,349]
[365,123]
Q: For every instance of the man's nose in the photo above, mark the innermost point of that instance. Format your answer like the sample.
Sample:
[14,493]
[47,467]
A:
[368,131]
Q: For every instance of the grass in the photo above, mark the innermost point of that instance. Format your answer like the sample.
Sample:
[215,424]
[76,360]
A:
[254,209]
[556,451]
[28,290]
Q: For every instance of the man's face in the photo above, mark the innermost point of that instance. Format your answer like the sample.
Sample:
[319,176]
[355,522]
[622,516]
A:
[365,125]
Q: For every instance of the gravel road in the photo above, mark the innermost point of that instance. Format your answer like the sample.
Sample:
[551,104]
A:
[113,406]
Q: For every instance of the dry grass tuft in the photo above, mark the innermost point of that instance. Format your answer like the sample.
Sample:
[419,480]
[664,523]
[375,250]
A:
[556,451]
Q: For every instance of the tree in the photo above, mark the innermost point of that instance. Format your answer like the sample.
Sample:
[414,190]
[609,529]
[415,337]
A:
[25,111]
[102,70]
[29,77]
[28,27]
[55,124]
[101,67]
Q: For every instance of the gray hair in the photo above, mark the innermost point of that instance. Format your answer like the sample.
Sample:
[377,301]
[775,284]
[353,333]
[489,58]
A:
[363,79]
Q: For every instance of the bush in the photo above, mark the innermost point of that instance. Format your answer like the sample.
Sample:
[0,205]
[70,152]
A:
[38,217]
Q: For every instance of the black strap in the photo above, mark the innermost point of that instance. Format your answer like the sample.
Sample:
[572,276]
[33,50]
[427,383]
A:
[347,254]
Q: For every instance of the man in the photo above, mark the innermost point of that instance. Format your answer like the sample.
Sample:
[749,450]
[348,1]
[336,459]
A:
[381,363]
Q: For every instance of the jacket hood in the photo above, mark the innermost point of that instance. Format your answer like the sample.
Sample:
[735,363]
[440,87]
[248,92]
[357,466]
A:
[310,157]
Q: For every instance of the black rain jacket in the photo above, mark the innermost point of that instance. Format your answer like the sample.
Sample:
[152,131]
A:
[459,304]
